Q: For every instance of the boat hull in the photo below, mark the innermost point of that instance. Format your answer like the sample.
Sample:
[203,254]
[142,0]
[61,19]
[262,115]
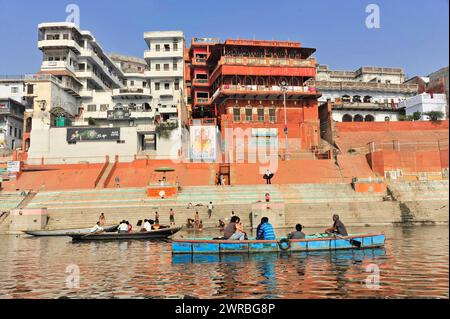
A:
[154,234]
[200,246]
[66,232]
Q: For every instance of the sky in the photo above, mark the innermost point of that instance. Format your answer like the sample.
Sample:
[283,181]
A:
[413,34]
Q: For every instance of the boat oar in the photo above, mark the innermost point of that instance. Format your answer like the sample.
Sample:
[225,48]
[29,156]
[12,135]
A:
[352,241]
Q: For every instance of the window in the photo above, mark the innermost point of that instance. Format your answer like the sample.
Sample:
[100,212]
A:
[15,132]
[92,108]
[158,67]
[131,83]
[260,115]
[175,66]
[272,116]
[175,46]
[20,133]
[157,86]
[65,36]
[248,115]
[166,67]
[10,130]
[177,86]
[14,89]
[166,86]
[237,114]
[158,48]
[166,47]
[104,107]
[124,82]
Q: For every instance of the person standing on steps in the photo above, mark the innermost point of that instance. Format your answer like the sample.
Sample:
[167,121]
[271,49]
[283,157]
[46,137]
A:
[268,177]
[172,217]
[210,209]
[156,218]
[117,180]
[197,220]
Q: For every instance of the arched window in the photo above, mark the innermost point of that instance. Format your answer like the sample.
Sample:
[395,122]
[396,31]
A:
[367,99]
[27,144]
[147,107]
[359,118]
[387,119]
[369,118]
[28,125]
[356,99]
[346,98]
[347,118]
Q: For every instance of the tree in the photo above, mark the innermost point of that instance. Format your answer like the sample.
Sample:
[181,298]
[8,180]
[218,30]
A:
[91,122]
[417,116]
[435,115]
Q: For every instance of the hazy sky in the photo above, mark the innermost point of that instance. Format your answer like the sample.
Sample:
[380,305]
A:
[414,34]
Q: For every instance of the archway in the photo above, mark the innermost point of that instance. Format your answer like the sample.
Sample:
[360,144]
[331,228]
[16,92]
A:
[369,118]
[347,118]
[358,118]
[28,124]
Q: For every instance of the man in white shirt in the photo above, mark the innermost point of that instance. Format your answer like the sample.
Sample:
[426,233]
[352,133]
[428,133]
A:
[210,209]
[147,225]
[97,229]
[123,228]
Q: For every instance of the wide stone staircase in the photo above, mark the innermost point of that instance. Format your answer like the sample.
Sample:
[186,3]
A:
[312,204]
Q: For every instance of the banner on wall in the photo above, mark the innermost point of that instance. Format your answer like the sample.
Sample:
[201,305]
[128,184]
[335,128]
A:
[203,141]
[93,134]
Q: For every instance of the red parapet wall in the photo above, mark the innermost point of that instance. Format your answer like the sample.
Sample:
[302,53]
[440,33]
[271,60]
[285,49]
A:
[391,126]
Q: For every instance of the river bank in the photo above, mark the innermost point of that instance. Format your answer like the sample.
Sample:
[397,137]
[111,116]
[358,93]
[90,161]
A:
[404,203]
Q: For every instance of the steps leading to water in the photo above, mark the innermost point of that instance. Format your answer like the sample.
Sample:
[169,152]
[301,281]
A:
[9,201]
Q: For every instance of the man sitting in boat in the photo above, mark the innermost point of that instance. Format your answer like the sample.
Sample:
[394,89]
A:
[147,226]
[97,229]
[265,230]
[338,227]
[123,227]
[298,234]
[231,227]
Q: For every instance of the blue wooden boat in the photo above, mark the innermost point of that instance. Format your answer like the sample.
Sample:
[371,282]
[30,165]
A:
[318,242]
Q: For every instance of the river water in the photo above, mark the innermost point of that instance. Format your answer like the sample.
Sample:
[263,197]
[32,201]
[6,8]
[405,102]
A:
[414,264]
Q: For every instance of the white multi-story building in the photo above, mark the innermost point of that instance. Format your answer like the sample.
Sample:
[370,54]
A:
[165,59]
[13,102]
[81,91]
[367,94]
[424,103]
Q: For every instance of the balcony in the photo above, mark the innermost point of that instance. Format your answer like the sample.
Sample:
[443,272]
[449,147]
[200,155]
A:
[130,92]
[56,44]
[163,54]
[201,82]
[250,61]
[199,61]
[179,73]
[268,92]
[203,122]
[374,106]
[56,65]
[365,86]
[102,65]
[202,101]
[91,75]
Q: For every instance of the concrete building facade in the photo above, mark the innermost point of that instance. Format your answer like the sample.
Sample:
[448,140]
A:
[367,94]
[424,103]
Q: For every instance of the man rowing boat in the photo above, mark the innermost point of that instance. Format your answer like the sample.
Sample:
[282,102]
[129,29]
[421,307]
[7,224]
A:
[338,227]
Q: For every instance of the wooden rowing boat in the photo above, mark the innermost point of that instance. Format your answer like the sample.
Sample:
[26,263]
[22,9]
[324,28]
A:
[310,243]
[154,234]
[67,232]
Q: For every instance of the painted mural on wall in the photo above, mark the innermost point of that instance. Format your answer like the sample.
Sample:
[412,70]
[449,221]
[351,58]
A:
[93,134]
[203,143]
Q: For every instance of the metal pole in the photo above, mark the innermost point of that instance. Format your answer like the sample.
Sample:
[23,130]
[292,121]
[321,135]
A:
[285,123]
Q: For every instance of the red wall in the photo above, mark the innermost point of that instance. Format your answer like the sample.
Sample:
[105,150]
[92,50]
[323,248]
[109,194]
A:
[391,126]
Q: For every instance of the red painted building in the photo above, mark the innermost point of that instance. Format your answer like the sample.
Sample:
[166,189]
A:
[248,85]
[199,53]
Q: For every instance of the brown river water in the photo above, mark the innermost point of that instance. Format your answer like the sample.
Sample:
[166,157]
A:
[414,264]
